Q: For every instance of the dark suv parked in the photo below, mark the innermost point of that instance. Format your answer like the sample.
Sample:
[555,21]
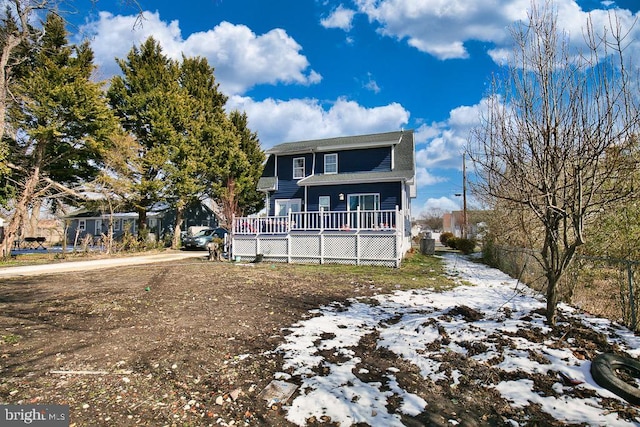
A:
[203,237]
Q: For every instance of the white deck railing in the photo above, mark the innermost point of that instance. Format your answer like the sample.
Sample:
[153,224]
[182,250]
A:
[319,221]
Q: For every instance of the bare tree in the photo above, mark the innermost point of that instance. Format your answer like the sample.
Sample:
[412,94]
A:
[556,138]
[432,219]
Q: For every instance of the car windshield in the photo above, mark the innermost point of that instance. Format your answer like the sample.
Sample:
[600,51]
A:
[202,233]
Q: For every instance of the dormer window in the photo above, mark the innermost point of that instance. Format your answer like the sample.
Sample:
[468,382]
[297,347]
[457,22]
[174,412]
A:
[330,164]
[298,168]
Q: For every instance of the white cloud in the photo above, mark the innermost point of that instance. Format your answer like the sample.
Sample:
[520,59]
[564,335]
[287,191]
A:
[242,59]
[573,21]
[442,27]
[444,142]
[277,121]
[371,84]
[445,204]
[424,178]
[340,17]
[439,149]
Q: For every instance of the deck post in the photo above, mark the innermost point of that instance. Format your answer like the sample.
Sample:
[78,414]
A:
[289,236]
[399,236]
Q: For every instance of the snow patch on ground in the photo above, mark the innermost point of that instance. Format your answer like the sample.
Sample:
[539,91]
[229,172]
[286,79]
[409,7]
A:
[410,322]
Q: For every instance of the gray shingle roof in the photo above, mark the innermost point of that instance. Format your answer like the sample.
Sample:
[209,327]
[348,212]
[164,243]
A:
[378,139]
[267,183]
[404,164]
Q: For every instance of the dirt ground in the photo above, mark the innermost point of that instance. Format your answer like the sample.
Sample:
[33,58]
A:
[191,343]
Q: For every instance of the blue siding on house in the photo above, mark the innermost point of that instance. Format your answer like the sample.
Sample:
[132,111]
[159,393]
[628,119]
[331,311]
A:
[389,195]
[285,166]
[371,155]
[269,167]
[75,234]
[287,186]
[287,190]
[370,160]
[159,224]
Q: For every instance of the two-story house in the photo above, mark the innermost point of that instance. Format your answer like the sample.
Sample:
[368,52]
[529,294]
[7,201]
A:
[356,187]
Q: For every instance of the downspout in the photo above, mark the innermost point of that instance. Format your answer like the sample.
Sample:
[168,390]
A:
[393,157]
[313,172]
[275,169]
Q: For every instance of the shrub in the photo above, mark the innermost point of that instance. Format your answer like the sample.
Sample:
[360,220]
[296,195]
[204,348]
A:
[444,238]
[466,246]
[452,242]
[489,252]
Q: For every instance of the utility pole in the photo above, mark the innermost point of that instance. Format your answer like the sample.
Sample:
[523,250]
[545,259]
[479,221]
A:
[464,197]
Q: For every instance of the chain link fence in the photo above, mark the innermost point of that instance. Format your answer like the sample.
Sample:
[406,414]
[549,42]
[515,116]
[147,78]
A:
[604,287]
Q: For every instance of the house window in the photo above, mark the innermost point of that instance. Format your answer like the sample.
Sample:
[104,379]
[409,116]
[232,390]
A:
[330,163]
[366,202]
[116,225]
[324,203]
[298,168]
[284,205]
[82,225]
[365,218]
[98,229]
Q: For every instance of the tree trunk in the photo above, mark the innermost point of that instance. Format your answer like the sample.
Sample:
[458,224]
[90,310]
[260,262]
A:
[142,224]
[229,203]
[175,241]
[20,212]
[552,298]
[34,217]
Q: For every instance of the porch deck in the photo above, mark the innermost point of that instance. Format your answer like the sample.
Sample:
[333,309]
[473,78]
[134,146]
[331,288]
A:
[359,220]
[344,237]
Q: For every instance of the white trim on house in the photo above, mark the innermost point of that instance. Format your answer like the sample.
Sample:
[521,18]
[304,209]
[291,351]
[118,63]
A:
[327,156]
[298,169]
[324,203]
[358,145]
[288,205]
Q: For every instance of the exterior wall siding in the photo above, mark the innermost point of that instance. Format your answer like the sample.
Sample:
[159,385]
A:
[159,225]
[370,160]
[285,166]
[349,161]
[390,195]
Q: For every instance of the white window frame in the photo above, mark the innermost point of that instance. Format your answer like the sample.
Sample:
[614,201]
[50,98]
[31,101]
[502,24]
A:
[324,203]
[287,204]
[98,227]
[359,195]
[326,162]
[116,224]
[298,171]
[82,224]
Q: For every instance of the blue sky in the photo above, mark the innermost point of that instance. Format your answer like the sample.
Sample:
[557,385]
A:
[307,69]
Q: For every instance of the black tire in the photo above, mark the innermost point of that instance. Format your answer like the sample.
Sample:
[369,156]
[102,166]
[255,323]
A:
[603,371]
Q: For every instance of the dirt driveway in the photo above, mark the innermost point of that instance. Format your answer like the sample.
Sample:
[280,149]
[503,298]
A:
[190,342]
